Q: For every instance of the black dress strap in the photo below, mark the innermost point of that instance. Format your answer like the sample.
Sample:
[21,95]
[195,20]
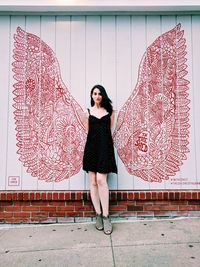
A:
[88,111]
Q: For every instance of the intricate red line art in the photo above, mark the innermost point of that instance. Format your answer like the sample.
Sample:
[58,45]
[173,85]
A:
[152,128]
[152,132]
[50,133]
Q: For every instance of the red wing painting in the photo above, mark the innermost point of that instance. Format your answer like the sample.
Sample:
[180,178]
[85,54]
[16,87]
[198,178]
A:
[152,131]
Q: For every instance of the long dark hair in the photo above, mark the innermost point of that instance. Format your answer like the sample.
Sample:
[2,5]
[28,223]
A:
[106,102]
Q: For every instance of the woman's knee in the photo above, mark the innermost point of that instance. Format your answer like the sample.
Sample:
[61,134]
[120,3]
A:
[101,179]
[93,179]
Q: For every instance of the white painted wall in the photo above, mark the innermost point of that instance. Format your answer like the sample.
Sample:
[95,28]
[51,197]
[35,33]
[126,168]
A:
[90,50]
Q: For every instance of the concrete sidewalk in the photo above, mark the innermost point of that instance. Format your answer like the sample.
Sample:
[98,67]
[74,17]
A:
[144,243]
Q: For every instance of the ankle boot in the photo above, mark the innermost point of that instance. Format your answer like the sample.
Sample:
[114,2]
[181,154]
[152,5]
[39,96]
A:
[99,222]
[107,226]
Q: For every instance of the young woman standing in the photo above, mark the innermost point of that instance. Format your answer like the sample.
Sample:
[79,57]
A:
[99,158]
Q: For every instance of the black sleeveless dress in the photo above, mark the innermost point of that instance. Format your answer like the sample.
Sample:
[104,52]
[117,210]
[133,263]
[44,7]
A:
[99,152]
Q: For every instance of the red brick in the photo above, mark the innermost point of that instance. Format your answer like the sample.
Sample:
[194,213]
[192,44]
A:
[5,203]
[2,196]
[113,196]
[8,196]
[165,195]
[178,202]
[13,208]
[150,208]
[171,195]
[21,214]
[55,196]
[188,195]
[78,196]
[50,196]
[74,203]
[193,202]
[43,196]
[120,207]
[83,208]
[48,208]
[182,195]
[25,196]
[160,195]
[21,203]
[119,196]
[144,202]
[32,196]
[148,196]
[194,195]
[61,196]
[38,196]
[6,214]
[67,196]
[30,208]
[57,203]
[154,195]
[20,196]
[124,196]
[39,203]
[169,207]
[14,196]
[65,208]
[134,208]
[142,195]
[73,196]
[136,196]
[130,195]
[176,195]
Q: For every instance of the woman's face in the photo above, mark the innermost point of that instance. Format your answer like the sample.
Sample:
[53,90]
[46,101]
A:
[96,96]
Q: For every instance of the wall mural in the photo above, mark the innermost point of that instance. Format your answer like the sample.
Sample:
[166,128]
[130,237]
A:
[152,131]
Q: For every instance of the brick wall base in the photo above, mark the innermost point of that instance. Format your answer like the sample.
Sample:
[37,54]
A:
[67,206]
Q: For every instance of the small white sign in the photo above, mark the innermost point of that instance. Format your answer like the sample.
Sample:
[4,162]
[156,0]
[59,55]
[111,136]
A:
[13,180]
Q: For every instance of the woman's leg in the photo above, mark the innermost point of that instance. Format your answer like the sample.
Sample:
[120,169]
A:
[94,192]
[101,179]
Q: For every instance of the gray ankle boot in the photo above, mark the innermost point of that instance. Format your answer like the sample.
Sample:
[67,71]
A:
[99,222]
[107,226]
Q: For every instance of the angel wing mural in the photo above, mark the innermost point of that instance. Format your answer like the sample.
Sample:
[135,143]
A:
[151,135]
[152,129]
[50,132]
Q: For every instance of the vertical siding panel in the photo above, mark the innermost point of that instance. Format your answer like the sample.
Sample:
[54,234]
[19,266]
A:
[5,55]
[138,49]
[109,72]
[124,85]
[48,36]
[78,78]
[92,61]
[14,166]
[153,32]
[196,93]
[187,170]
[168,23]
[62,51]
[28,181]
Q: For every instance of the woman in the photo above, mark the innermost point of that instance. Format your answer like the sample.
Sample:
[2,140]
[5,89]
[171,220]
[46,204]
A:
[99,159]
